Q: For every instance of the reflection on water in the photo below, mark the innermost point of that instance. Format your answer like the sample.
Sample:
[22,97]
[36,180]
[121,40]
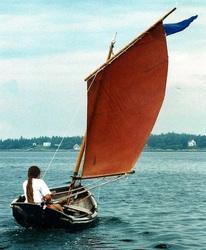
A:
[162,206]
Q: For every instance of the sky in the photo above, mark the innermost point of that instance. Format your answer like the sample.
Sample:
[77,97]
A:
[48,47]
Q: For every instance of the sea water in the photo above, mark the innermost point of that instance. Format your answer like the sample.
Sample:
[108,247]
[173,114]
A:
[161,206]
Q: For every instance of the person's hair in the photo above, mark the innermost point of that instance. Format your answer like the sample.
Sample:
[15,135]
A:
[33,172]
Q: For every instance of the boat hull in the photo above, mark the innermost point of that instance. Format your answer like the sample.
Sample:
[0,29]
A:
[80,215]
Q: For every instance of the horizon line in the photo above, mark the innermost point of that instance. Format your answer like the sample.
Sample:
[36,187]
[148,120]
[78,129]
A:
[34,137]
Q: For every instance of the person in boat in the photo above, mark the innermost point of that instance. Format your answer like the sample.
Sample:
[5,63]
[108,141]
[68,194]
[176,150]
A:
[37,191]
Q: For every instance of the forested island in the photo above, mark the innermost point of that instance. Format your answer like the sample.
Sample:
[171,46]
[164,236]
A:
[174,141]
[40,143]
[169,141]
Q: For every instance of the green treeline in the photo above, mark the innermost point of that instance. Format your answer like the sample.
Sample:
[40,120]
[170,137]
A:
[167,141]
[176,141]
[37,143]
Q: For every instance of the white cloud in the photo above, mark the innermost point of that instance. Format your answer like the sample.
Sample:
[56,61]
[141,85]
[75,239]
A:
[50,87]
[50,96]
[30,31]
[50,23]
[53,69]
[183,110]
[187,68]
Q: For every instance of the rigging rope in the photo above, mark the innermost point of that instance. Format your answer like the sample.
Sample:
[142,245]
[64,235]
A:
[98,195]
[49,165]
[86,186]
[86,190]
[71,121]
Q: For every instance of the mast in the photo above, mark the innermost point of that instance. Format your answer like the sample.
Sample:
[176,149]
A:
[110,53]
[83,145]
[79,158]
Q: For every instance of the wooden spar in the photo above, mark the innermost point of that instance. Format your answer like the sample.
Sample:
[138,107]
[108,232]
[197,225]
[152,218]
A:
[128,46]
[83,145]
[69,196]
[106,175]
[111,47]
[79,158]
[110,50]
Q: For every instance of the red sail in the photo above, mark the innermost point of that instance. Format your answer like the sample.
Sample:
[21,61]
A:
[124,99]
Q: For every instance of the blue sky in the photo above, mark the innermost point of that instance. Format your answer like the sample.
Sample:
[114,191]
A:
[48,47]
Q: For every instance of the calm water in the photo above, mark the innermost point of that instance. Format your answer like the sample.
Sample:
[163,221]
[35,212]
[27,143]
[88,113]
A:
[161,206]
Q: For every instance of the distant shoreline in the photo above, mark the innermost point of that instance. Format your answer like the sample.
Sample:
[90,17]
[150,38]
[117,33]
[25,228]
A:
[175,150]
[75,151]
[37,150]
[155,143]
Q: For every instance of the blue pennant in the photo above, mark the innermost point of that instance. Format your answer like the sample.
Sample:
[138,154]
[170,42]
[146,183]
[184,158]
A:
[172,28]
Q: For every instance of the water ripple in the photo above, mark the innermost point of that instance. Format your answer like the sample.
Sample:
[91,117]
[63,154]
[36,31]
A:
[162,206]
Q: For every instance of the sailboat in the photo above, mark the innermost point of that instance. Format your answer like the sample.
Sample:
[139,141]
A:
[125,95]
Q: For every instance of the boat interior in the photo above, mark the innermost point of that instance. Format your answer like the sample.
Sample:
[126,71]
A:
[79,205]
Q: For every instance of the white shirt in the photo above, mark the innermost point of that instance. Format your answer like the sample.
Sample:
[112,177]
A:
[40,189]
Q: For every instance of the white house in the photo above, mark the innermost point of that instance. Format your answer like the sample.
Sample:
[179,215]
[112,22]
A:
[47,144]
[76,147]
[192,143]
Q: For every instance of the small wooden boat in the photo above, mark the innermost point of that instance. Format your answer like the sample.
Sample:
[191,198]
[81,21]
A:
[81,212]
[124,97]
